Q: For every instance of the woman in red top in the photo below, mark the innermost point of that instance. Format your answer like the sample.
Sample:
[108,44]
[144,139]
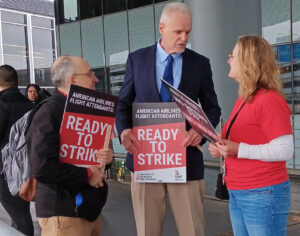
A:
[259,142]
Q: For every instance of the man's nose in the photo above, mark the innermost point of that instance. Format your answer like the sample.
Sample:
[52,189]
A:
[184,37]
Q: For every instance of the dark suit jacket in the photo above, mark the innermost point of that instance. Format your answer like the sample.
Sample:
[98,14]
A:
[140,86]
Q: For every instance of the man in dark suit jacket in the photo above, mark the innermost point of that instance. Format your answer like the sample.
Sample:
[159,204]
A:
[192,75]
[13,105]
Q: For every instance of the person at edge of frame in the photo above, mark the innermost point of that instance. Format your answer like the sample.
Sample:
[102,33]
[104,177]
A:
[259,143]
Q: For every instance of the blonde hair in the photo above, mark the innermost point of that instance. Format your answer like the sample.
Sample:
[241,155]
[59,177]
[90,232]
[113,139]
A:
[258,67]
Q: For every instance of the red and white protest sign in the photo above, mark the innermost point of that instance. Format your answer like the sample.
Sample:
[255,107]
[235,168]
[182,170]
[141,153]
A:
[86,126]
[194,114]
[161,157]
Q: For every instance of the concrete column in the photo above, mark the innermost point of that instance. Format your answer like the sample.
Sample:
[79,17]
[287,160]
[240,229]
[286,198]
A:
[216,26]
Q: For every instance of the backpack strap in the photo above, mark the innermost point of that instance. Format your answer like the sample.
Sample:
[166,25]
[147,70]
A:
[52,99]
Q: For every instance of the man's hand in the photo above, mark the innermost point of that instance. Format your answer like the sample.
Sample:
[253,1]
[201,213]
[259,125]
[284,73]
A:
[129,141]
[192,138]
[104,155]
[98,176]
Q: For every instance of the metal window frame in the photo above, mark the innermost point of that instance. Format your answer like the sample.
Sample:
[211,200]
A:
[30,49]
[1,43]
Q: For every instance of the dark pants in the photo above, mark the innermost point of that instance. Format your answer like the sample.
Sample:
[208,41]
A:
[17,208]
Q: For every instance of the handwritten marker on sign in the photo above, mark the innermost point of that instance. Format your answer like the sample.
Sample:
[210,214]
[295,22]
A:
[186,133]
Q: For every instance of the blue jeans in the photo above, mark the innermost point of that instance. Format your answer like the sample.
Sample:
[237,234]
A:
[260,211]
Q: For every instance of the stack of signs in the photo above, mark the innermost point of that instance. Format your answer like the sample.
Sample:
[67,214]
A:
[194,114]
[86,126]
[161,157]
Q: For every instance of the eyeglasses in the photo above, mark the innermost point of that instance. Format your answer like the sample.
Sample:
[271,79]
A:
[230,56]
[89,74]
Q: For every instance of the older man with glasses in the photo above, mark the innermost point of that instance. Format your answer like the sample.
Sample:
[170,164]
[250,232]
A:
[59,183]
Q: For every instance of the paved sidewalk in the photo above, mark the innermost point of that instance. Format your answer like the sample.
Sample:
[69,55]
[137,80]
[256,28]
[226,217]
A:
[118,216]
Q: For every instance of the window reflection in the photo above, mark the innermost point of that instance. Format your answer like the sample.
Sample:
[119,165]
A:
[42,22]
[296,20]
[286,78]
[13,17]
[90,8]
[296,51]
[116,38]
[111,6]
[57,40]
[100,74]
[92,41]
[158,10]
[138,3]
[70,40]
[296,68]
[276,27]
[15,50]
[43,55]
[284,53]
[115,76]
[141,27]
[291,82]
[67,11]
[296,74]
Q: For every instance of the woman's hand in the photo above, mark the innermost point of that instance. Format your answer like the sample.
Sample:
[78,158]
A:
[213,150]
[228,149]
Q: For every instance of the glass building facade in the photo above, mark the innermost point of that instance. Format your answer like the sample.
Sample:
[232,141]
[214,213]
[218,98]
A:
[104,32]
[27,39]
[281,27]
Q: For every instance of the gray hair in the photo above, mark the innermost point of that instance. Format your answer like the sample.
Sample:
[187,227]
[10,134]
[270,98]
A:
[172,7]
[61,70]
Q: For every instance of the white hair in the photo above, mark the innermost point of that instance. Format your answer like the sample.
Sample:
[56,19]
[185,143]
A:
[172,7]
[62,68]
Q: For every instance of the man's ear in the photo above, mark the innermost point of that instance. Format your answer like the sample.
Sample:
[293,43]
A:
[72,80]
[161,27]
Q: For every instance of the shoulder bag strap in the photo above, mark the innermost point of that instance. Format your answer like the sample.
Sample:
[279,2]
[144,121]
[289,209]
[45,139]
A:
[233,120]
[222,167]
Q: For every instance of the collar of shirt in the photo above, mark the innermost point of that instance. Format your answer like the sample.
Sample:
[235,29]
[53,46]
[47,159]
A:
[161,63]
[162,54]
[66,95]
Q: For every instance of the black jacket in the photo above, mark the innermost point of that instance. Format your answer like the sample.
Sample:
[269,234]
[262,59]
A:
[58,183]
[13,105]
